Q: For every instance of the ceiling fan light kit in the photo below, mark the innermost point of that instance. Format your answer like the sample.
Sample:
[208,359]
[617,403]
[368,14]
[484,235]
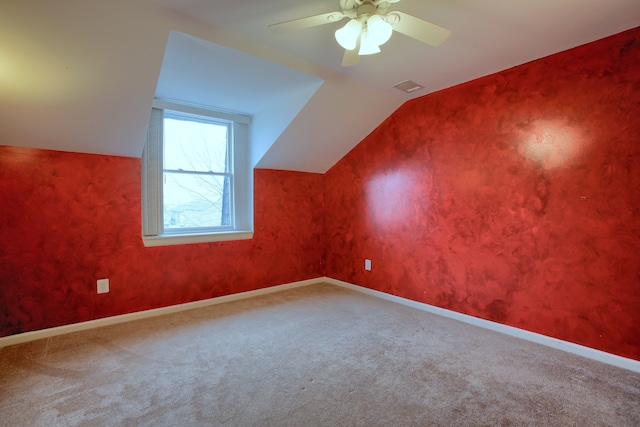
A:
[368,45]
[372,29]
[347,36]
[369,27]
[379,29]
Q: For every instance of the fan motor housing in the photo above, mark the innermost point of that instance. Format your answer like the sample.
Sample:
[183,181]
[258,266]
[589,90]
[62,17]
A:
[366,7]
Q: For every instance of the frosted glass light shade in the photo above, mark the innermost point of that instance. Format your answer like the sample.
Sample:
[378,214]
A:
[347,36]
[368,46]
[379,29]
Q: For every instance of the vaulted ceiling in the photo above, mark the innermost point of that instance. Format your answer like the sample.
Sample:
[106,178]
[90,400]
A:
[79,75]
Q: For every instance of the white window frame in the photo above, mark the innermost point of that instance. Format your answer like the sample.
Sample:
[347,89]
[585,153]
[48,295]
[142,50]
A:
[153,233]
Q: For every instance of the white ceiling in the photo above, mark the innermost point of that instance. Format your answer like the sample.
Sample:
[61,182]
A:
[487,36]
[199,72]
[81,75]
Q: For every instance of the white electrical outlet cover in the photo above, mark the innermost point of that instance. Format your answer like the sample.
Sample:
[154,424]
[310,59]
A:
[103,286]
[367,264]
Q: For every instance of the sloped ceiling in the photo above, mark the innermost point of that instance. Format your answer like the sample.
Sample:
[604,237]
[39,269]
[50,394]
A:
[199,72]
[80,75]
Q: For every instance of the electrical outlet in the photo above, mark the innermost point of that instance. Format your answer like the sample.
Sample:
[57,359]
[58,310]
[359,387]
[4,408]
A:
[367,264]
[103,286]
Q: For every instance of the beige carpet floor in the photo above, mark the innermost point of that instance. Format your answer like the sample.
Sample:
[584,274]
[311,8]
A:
[313,356]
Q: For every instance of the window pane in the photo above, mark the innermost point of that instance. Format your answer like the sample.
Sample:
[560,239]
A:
[195,201]
[193,145]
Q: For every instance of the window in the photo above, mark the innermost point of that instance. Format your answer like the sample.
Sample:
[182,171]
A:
[196,179]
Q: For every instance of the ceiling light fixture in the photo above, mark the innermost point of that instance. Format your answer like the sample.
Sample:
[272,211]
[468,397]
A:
[347,36]
[370,25]
[368,44]
[379,29]
[372,31]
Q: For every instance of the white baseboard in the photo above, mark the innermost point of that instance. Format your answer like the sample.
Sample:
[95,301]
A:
[82,326]
[580,350]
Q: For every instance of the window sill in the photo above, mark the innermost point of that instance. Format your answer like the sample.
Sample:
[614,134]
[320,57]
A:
[183,239]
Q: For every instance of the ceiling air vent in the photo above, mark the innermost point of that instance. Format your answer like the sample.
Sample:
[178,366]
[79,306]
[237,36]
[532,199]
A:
[408,86]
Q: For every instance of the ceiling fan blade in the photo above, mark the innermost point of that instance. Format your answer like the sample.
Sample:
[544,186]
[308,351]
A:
[309,21]
[350,57]
[421,30]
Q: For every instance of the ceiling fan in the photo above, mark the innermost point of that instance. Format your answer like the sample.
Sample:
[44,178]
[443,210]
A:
[370,26]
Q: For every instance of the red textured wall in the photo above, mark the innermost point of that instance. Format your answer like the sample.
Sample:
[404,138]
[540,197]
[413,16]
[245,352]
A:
[68,219]
[514,198]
